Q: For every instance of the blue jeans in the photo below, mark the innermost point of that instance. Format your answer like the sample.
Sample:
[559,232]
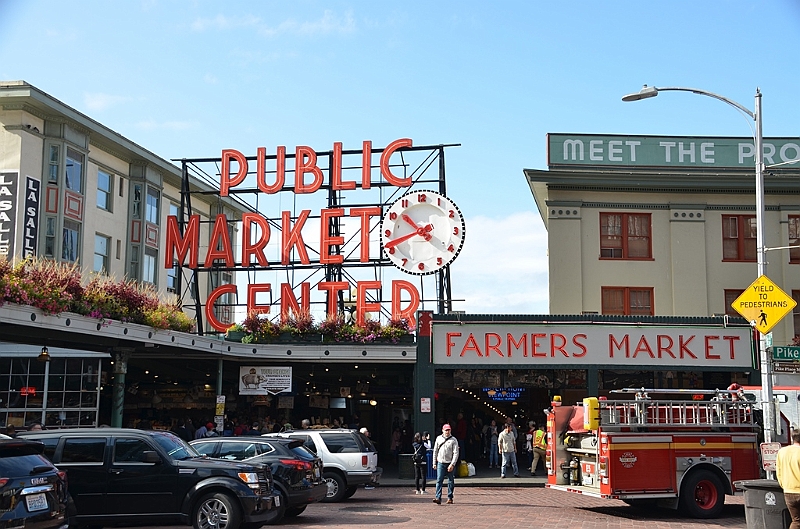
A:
[494,455]
[509,458]
[441,472]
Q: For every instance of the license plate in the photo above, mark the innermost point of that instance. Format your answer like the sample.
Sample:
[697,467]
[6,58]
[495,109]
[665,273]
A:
[36,502]
[277,501]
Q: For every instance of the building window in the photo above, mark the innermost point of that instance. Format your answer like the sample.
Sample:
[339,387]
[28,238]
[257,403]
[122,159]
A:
[72,240]
[628,301]
[50,237]
[151,208]
[738,238]
[101,246]
[74,170]
[54,159]
[625,236]
[104,190]
[149,265]
[794,238]
[136,208]
[134,269]
[172,278]
[796,313]
[730,297]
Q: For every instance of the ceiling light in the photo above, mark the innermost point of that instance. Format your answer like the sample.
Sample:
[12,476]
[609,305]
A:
[44,356]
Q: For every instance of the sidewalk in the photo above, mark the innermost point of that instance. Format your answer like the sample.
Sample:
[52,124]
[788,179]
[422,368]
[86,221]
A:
[484,477]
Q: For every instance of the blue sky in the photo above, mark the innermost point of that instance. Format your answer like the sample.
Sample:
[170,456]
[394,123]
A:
[187,79]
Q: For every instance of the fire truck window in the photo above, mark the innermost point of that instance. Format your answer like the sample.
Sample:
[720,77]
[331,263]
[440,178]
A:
[781,397]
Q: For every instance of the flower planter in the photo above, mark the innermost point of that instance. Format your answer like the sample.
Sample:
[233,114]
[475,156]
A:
[314,337]
[406,339]
[235,336]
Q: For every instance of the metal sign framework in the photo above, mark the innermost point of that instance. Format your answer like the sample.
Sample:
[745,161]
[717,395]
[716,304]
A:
[423,165]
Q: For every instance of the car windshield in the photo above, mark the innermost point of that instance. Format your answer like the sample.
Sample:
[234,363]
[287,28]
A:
[174,445]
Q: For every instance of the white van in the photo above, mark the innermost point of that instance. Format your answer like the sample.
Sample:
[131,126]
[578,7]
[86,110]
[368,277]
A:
[787,398]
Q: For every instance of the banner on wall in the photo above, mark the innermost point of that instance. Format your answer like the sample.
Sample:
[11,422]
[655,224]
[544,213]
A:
[264,380]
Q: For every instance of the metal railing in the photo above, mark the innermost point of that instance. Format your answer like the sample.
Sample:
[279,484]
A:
[674,413]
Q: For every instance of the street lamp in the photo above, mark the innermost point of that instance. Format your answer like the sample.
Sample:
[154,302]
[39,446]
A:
[766,366]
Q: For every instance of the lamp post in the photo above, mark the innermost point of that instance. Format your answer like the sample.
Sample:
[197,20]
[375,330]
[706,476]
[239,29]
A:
[766,365]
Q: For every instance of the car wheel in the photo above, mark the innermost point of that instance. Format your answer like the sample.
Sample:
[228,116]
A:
[276,515]
[295,511]
[350,492]
[336,487]
[216,511]
[702,495]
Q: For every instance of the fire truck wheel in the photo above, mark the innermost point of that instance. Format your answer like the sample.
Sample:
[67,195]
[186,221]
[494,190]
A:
[702,495]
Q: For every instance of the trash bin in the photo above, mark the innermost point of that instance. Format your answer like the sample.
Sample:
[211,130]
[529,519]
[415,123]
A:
[431,473]
[405,469]
[764,505]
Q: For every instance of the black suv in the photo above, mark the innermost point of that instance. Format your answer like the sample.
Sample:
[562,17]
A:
[33,493]
[296,472]
[119,475]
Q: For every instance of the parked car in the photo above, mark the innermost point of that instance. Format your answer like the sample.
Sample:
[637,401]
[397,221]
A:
[296,472]
[119,475]
[33,493]
[349,458]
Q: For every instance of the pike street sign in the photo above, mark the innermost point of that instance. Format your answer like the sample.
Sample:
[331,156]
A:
[786,367]
[764,303]
[787,353]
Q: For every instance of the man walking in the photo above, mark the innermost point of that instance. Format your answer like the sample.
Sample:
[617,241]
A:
[445,457]
[507,446]
[787,470]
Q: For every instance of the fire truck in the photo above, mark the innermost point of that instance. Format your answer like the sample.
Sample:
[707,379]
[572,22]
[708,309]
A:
[673,453]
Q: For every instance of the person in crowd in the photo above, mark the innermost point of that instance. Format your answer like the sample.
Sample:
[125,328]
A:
[494,453]
[510,421]
[210,431]
[507,447]
[364,430]
[420,459]
[305,424]
[394,446]
[461,433]
[787,470]
[36,427]
[336,423]
[201,431]
[539,448]
[181,431]
[255,430]
[11,431]
[445,457]
[190,429]
[529,444]
[426,438]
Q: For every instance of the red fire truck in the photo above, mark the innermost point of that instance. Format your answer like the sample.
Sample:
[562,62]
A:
[674,453]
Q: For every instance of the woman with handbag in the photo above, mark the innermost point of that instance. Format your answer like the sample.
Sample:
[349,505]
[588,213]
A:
[420,459]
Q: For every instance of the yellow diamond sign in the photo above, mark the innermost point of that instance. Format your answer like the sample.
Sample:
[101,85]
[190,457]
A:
[764,303]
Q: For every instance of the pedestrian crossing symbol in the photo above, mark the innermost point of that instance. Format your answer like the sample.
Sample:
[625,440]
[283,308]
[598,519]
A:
[764,304]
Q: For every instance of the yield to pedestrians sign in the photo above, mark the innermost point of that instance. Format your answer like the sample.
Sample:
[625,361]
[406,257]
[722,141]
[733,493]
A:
[764,303]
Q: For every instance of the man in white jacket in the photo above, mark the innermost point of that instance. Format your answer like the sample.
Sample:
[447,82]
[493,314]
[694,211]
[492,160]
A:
[507,445]
[445,457]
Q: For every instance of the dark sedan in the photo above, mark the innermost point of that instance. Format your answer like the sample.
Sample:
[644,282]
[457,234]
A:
[296,471]
[33,493]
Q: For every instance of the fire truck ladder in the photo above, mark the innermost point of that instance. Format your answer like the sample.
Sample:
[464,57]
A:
[720,411]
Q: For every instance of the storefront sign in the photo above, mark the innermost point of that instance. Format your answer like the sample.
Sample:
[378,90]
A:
[263,380]
[296,231]
[27,390]
[30,238]
[504,394]
[424,404]
[8,213]
[631,346]
[666,151]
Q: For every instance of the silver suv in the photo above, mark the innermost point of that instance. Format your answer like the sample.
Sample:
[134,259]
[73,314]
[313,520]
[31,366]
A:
[349,458]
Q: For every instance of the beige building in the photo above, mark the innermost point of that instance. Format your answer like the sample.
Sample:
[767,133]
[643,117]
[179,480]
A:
[665,226]
[74,190]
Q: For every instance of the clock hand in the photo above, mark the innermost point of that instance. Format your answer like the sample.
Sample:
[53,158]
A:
[408,219]
[419,231]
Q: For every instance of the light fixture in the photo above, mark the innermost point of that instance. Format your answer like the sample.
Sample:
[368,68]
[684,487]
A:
[44,356]
[373,403]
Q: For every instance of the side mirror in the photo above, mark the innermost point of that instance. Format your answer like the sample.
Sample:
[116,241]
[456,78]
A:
[150,456]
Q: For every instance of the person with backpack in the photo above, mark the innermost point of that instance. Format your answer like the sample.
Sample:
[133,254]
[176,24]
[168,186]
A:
[420,459]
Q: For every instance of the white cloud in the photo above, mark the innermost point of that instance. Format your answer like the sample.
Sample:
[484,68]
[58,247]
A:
[330,23]
[152,124]
[503,266]
[99,101]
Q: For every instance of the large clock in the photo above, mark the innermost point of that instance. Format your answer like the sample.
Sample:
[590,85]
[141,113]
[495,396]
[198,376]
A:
[422,232]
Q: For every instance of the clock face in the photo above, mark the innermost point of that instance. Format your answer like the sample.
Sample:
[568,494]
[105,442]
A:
[422,232]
